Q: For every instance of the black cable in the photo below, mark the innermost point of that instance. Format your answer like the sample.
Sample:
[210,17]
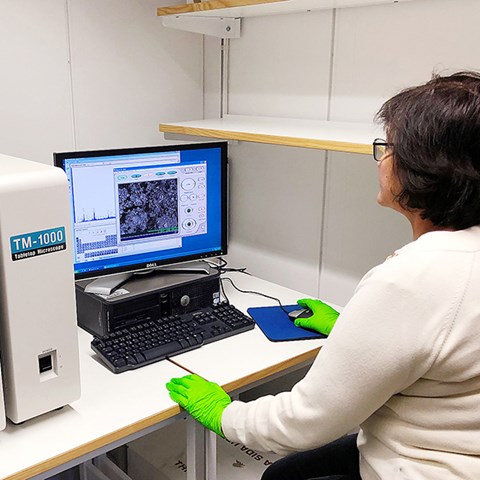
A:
[216,265]
[223,291]
[251,292]
[222,268]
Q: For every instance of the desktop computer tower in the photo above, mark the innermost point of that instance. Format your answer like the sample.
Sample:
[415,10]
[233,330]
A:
[145,297]
[38,332]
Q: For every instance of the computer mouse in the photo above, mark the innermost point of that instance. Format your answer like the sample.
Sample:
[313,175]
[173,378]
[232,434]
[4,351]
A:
[300,313]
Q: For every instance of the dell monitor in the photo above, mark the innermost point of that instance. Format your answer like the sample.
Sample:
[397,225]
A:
[135,209]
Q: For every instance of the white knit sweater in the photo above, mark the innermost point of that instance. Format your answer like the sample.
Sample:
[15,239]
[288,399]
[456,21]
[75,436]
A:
[403,362]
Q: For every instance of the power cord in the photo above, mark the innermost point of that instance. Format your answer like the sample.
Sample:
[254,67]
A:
[222,268]
[251,292]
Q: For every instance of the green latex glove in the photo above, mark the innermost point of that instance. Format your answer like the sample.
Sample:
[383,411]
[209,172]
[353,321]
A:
[323,318]
[205,401]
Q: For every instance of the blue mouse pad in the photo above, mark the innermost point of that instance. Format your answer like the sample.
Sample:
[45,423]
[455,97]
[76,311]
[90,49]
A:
[276,325]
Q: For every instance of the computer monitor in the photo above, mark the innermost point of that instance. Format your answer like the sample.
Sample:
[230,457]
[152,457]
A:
[141,208]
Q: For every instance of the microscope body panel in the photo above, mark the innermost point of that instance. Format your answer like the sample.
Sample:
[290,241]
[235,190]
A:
[38,332]
[2,406]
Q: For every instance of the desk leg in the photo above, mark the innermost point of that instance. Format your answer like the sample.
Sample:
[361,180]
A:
[195,450]
[211,455]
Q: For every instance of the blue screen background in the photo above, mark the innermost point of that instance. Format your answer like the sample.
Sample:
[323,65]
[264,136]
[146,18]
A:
[192,245]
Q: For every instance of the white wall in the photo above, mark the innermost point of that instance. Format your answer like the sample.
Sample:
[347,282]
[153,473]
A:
[275,221]
[83,74]
[281,67]
[35,99]
[87,74]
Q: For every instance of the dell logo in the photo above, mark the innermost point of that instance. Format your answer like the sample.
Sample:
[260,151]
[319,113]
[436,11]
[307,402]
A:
[150,265]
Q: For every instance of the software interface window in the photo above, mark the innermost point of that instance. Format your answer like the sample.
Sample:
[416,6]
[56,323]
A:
[128,208]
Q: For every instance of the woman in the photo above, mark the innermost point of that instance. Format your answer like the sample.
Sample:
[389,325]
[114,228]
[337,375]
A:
[403,360]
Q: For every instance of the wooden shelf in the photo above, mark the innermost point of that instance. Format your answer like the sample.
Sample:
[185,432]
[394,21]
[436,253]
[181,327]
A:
[252,8]
[322,135]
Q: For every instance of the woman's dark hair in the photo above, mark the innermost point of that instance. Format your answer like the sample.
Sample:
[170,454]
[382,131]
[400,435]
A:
[434,130]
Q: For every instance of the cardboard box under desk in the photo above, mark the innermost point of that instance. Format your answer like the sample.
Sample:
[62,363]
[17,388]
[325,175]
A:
[162,456]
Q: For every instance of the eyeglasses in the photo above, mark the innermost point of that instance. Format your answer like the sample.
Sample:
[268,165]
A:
[380,147]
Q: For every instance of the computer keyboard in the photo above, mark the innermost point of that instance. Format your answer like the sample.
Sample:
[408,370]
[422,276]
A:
[155,339]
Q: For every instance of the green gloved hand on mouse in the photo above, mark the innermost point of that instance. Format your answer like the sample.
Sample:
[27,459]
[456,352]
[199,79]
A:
[323,316]
[204,400]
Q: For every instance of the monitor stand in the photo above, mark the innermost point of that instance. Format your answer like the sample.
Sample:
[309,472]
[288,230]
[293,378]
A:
[107,285]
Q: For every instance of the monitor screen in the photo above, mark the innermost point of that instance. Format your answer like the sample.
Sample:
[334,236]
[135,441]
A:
[138,208]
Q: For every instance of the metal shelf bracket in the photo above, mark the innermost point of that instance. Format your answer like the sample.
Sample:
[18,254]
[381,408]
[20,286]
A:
[213,26]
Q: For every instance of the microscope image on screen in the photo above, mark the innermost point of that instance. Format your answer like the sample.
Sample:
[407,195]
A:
[147,209]
[157,200]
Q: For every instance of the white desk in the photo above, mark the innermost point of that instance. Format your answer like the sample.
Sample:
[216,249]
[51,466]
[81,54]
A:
[113,409]
[245,359]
